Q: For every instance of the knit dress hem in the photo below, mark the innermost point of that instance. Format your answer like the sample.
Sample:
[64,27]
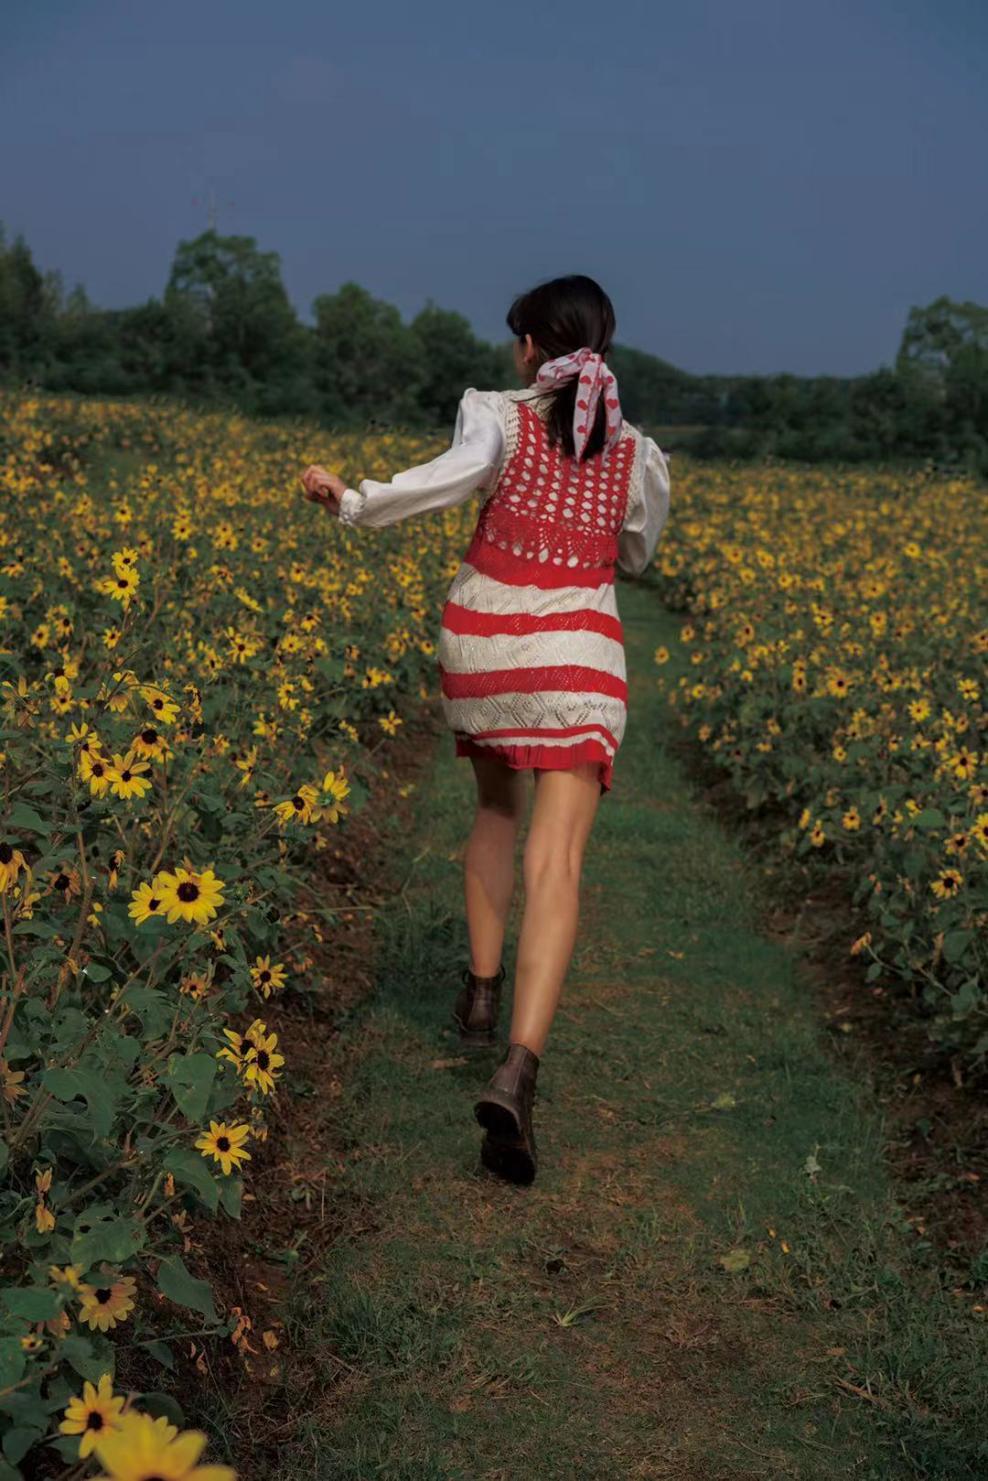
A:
[545,757]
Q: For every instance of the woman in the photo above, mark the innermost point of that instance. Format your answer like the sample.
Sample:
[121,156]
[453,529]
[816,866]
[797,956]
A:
[531,653]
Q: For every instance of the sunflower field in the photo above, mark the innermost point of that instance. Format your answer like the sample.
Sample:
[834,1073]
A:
[200,675]
[837,631]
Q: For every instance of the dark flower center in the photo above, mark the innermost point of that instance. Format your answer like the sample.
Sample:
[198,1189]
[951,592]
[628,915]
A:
[153,903]
[262,1059]
[187,891]
[265,976]
[149,736]
[97,768]
[94,1420]
[297,803]
[6,853]
[223,1143]
[121,582]
[103,1295]
[125,776]
[62,882]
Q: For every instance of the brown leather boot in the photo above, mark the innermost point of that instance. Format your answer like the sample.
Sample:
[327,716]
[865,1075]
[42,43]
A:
[476,1009]
[505,1112]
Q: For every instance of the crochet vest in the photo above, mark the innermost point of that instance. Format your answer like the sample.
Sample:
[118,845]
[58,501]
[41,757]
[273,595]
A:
[551,520]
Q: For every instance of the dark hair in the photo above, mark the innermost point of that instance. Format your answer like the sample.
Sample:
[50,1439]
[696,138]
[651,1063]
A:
[563,315]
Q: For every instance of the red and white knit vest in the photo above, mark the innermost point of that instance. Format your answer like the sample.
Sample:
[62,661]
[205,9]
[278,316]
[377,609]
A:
[551,520]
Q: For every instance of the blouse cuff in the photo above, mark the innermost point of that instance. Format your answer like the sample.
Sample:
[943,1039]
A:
[352,503]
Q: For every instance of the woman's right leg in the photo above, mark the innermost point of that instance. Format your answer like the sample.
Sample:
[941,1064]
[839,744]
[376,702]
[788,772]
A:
[489,859]
[563,812]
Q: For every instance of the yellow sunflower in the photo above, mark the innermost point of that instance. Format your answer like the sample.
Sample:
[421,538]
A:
[146,1449]
[225,1144]
[267,978]
[105,1306]
[190,895]
[299,808]
[11,862]
[146,901]
[163,706]
[335,787]
[90,1416]
[10,1082]
[261,1062]
[94,770]
[125,777]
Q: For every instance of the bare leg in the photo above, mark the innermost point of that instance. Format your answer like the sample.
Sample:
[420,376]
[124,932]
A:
[562,817]
[489,859]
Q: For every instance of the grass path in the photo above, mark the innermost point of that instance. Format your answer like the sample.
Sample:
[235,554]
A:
[707,1280]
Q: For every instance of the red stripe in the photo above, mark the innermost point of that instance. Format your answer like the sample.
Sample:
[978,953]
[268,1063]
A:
[515,570]
[460,619]
[577,677]
[550,730]
[561,758]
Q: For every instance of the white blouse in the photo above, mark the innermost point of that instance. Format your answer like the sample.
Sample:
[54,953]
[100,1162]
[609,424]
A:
[473,461]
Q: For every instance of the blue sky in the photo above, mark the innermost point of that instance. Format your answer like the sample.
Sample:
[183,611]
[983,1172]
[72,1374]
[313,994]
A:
[760,186]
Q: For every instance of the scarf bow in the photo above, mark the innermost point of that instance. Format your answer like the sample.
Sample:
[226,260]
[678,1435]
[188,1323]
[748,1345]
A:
[595,380]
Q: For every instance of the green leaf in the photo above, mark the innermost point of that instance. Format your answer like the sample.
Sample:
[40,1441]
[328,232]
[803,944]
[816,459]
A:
[967,997]
[113,1240]
[151,1007]
[735,1261]
[96,972]
[32,1303]
[189,1167]
[231,1195]
[182,1287]
[929,819]
[4,1155]
[22,816]
[35,928]
[191,1079]
[121,1047]
[955,943]
[78,1352]
[18,1441]
[13,1360]
[67,1446]
[161,1353]
[97,1091]
[356,797]
[158,1405]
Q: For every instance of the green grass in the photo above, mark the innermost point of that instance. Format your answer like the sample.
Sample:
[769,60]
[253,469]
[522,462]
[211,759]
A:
[467,1330]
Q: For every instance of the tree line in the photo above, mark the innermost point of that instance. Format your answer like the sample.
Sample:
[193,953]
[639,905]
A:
[225,333]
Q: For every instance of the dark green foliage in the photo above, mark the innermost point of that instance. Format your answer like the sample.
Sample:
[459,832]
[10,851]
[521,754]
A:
[226,333]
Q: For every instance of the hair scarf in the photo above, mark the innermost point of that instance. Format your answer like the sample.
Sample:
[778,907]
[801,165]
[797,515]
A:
[596,380]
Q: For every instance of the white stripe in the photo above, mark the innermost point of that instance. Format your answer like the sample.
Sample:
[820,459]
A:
[545,740]
[550,707]
[483,593]
[473,653]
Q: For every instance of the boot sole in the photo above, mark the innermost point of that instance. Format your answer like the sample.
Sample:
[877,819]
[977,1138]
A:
[504,1150]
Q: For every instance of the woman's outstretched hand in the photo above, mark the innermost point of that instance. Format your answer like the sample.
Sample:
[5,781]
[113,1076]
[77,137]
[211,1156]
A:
[322,487]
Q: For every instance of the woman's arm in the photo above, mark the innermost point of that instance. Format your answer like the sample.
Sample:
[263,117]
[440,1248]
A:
[646,518]
[467,465]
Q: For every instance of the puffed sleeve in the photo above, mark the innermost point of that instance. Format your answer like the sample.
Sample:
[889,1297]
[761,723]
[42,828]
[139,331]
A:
[646,515]
[467,465]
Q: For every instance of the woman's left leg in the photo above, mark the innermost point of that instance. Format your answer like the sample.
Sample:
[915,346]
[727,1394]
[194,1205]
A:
[489,859]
